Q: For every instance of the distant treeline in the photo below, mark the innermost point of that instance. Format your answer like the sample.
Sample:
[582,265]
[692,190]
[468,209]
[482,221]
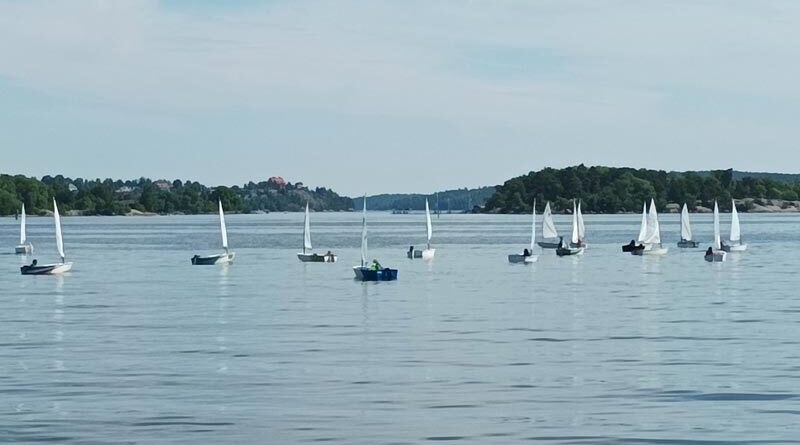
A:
[459,200]
[615,190]
[117,197]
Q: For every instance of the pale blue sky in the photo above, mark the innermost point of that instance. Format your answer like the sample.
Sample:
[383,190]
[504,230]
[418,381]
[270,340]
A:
[395,96]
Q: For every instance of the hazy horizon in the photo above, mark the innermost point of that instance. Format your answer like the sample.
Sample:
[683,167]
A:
[394,97]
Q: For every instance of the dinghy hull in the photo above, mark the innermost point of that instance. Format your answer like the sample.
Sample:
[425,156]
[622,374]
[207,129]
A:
[46,269]
[23,249]
[548,244]
[651,250]
[424,254]
[735,248]
[316,258]
[716,257]
[564,251]
[223,258]
[367,274]
[687,244]
[522,259]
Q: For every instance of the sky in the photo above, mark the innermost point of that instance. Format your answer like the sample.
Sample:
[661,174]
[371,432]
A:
[378,96]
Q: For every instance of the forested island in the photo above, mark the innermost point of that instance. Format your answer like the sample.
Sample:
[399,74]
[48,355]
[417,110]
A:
[458,200]
[144,196]
[617,190]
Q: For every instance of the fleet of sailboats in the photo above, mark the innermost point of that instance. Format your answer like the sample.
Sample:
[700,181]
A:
[686,230]
[24,247]
[649,239]
[527,256]
[428,252]
[55,268]
[222,258]
[307,256]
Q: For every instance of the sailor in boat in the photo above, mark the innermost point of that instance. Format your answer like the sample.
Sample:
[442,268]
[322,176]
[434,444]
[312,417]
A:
[709,252]
[411,251]
[526,253]
[34,263]
[376,266]
[561,242]
[329,255]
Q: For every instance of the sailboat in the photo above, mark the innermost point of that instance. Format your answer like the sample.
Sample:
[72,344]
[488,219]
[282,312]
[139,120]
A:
[222,258]
[24,246]
[632,246]
[51,269]
[527,256]
[652,235]
[686,230]
[364,272]
[428,253]
[573,248]
[307,256]
[715,254]
[581,227]
[549,232]
[736,244]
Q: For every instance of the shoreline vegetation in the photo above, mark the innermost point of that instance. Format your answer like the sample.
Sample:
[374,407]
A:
[611,190]
[142,197]
[602,190]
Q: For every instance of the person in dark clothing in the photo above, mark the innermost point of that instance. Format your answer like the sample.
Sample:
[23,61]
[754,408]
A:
[411,251]
[526,252]
[34,263]
[709,252]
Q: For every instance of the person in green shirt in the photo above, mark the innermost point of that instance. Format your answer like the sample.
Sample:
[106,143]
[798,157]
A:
[376,266]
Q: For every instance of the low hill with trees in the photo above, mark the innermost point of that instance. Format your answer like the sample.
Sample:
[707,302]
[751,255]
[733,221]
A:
[117,197]
[615,190]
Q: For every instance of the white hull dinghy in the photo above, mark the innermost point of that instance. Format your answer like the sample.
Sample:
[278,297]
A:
[24,247]
[527,256]
[307,256]
[549,232]
[429,252]
[51,269]
[652,235]
[222,258]
[736,244]
[715,254]
[686,241]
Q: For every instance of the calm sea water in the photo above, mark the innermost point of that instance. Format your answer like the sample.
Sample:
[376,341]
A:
[138,346]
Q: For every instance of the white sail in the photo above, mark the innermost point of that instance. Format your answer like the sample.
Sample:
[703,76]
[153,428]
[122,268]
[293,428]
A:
[222,227]
[364,234]
[653,230]
[22,236]
[59,240]
[306,232]
[736,234]
[533,226]
[548,226]
[717,244]
[581,226]
[575,238]
[686,228]
[643,228]
[428,222]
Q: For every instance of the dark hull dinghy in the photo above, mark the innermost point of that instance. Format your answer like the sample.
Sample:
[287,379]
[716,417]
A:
[210,260]
[367,274]
[688,244]
[46,269]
